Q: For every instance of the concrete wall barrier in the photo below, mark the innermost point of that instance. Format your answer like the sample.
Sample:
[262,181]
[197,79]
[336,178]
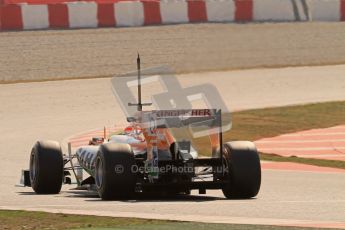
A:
[82,14]
[129,14]
[145,12]
[273,10]
[326,10]
[220,10]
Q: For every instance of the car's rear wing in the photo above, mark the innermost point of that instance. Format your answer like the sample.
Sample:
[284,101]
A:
[199,122]
[185,124]
[181,118]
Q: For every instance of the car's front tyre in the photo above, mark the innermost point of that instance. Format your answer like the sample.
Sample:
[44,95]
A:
[46,167]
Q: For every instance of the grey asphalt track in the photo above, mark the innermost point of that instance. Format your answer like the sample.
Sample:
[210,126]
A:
[286,198]
[53,54]
[56,110]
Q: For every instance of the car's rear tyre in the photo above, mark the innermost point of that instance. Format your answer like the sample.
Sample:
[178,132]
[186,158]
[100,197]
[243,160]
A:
[244,170]
[46,167]
[115,175]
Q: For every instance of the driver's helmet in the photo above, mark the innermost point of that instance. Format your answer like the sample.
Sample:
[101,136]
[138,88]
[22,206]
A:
[134,131]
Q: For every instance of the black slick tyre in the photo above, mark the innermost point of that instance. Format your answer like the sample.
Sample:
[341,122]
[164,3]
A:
[244,170]
[46,167]
[115,175]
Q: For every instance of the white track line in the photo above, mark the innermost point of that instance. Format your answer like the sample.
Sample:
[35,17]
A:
[299,141]
[302,149]
[312,134]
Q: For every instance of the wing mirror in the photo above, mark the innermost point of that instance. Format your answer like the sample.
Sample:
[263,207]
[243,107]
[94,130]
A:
[131,119]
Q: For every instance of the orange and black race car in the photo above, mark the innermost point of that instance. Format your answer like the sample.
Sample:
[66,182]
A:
[157,153]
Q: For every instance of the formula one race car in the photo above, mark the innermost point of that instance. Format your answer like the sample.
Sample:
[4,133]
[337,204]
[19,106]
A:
[154,154]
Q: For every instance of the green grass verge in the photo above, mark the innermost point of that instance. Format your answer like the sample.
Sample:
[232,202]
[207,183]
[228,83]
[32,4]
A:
[42,220]
[308,161]
[262,123]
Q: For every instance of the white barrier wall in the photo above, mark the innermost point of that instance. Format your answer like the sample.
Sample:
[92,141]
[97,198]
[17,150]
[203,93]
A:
[82,14]
[137,13]
[129,14]
[273,10]
[174,11]
[35,17]
[220,10]
[325,10]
